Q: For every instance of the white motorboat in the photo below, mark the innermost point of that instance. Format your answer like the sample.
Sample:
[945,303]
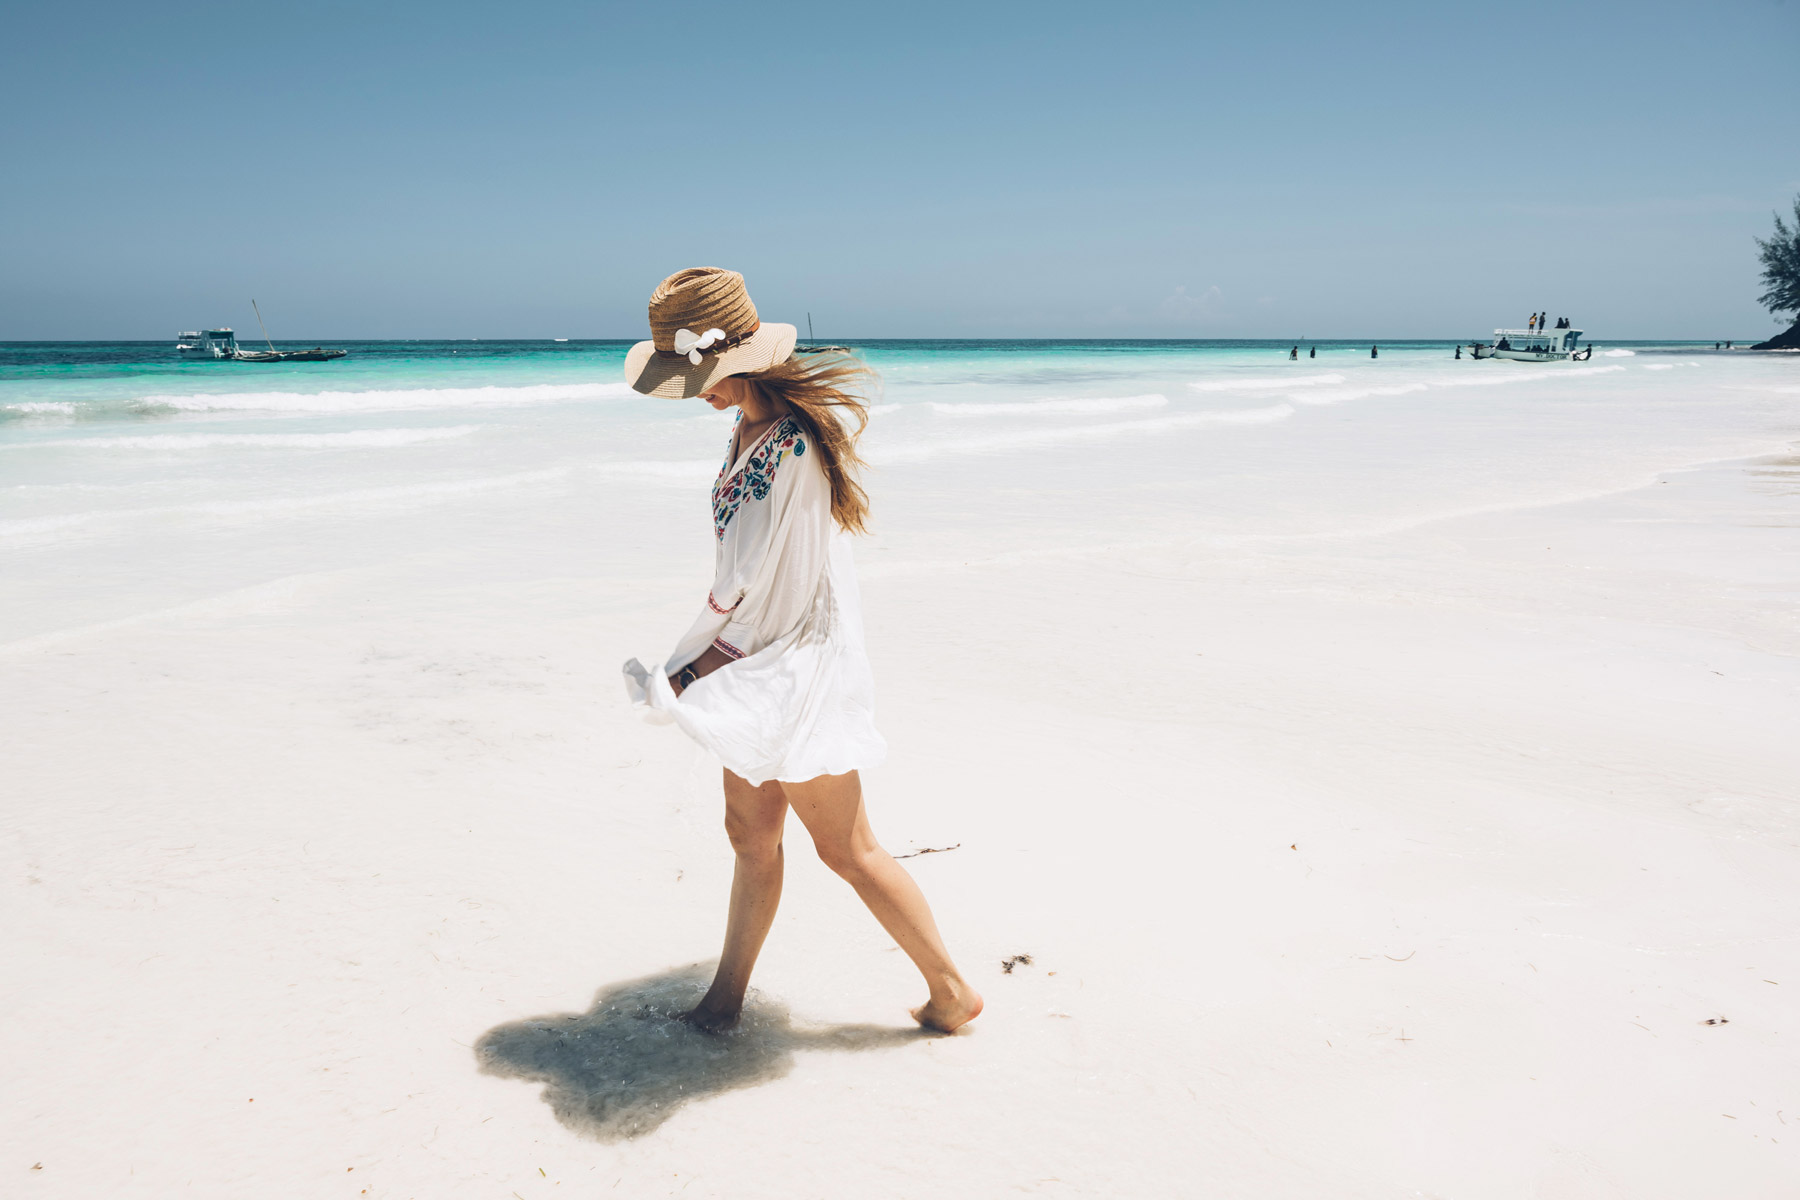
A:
[208,343]
[1534,345]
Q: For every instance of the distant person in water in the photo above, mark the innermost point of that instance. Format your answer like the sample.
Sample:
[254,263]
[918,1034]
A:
[1294,354]
[772,676]
[1374,351]
[1459,350]
[1313,353]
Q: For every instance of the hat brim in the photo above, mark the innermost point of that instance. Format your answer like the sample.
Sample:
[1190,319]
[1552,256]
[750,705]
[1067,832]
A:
[673,377]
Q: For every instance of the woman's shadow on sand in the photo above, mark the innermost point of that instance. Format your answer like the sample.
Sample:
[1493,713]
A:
[626,1065]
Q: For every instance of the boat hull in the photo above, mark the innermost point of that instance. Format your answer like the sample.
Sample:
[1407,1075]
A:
[1479,351]
[276,356]
[1530,355]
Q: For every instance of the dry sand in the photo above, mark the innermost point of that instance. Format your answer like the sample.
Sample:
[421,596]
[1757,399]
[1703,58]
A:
[1454,854]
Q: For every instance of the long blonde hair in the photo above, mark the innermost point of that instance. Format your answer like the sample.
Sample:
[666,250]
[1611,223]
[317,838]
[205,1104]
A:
[823,390]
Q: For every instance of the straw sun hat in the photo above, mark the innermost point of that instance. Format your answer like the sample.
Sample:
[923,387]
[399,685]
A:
[703,327]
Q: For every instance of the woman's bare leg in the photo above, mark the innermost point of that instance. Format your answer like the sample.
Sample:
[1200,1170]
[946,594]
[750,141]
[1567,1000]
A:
[831,807]
[754,817]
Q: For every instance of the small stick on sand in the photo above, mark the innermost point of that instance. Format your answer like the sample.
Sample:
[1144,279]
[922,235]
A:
[928,850]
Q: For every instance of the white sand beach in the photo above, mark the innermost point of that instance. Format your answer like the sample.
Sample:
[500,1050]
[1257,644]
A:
[1389,771]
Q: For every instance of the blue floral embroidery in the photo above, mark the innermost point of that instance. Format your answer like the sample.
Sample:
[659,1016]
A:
[758,474]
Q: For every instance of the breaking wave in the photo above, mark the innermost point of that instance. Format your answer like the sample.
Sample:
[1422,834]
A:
[35,528]
[380,401]
[1099,404]
[680,474]
[38,408]
[1485,379]
[1024,439]
[1262,383]
[352,439]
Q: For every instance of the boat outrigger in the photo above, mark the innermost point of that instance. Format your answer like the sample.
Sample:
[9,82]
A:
[1534,345]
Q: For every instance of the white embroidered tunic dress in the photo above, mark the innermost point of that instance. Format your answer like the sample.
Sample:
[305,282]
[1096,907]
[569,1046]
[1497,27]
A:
[797,699]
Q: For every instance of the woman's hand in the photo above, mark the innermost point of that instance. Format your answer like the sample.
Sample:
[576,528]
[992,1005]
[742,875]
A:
[705,665]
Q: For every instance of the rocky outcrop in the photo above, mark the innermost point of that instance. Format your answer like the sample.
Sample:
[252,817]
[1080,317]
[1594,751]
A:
[1782,341]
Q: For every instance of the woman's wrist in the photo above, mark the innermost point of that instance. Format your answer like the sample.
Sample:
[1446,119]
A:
[711,660]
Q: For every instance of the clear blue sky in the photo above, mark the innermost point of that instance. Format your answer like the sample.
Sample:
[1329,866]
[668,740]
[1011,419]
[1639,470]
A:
[918,169]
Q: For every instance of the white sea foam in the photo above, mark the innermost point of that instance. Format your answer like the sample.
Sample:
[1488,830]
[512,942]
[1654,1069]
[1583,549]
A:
[59,408]
[1027,438]
[878,409]
[385,400]
[1032,408]
[1618,354]
[1262,383]
[1497,378]
[1659,366]
[1339,395]
[351,439]
[687,473]
[33,529]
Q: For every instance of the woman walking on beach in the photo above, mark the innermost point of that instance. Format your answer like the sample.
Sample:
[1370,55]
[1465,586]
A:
[772,677]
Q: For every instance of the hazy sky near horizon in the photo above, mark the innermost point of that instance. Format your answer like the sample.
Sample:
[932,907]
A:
[920,170]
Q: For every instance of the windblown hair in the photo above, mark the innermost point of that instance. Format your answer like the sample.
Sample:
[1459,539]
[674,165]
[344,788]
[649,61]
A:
[825,392]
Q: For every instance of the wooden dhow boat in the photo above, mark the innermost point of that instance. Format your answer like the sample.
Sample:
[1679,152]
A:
[316,354]
[272,355]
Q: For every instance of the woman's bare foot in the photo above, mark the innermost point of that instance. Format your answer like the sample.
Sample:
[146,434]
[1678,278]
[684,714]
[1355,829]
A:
[949,1015]
[708,1018]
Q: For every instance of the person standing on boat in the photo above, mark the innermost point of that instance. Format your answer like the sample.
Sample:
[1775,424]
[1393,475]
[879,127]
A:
[772,676]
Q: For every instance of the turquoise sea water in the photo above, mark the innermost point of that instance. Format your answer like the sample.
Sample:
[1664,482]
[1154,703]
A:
[136,380]
[130,478]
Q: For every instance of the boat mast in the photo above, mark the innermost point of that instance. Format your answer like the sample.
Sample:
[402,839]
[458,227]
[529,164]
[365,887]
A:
[259,321]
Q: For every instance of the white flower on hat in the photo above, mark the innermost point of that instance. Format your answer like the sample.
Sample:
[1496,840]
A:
[694,344]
